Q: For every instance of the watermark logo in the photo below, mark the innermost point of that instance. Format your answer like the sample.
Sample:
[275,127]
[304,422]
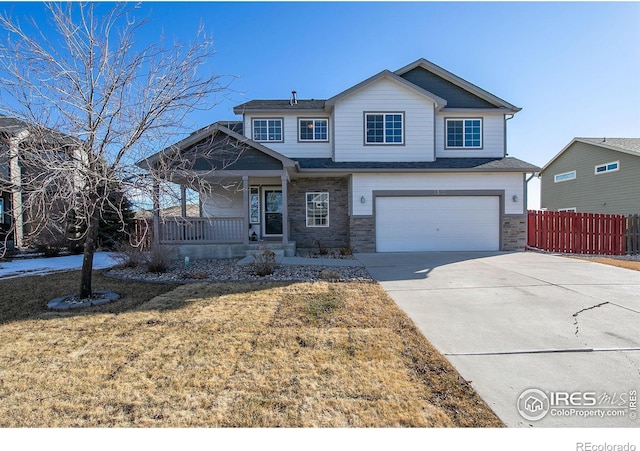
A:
[534,404]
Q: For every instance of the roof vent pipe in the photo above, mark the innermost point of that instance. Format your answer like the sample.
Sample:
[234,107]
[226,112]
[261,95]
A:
[294,98]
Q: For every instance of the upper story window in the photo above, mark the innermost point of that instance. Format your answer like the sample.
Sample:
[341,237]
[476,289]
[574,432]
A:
[564,176]
[464,133]
[313,129]
[609,167]
[267,130]
[384,128]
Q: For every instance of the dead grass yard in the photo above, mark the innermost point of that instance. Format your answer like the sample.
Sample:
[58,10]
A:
[628,264]
[315,354]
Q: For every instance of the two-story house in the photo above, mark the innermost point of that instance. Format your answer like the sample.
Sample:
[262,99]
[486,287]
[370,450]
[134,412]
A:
[21,223]
[411,160]
[593,175]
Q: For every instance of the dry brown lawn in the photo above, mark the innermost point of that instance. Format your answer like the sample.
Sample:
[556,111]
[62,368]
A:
[628,264]
[318,354]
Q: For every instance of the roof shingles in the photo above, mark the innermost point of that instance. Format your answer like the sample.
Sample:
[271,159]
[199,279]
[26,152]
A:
[486,164]
[628,144]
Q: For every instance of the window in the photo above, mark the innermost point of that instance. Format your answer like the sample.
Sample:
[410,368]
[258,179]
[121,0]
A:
[254,205]
[384,128]
[464,133]
[564,176]
[609,167]
[267,130]
[317,209]
[313,130]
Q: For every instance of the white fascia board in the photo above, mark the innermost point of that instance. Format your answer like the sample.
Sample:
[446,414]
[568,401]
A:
[544,168]
[208,131]
[308,171]
[500,111]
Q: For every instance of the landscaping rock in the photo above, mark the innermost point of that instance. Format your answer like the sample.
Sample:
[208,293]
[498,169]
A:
[227,270]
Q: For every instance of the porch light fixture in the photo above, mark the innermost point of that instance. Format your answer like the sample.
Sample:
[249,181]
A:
[363,200]
[515,198]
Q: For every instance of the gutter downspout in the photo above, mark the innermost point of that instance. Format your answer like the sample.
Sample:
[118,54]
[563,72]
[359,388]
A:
[505,132]
[526,189]
[526,201]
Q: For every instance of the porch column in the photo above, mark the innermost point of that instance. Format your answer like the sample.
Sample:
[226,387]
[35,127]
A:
[183,201]
[15,174]
[245,203]
[156,213]
[285,214]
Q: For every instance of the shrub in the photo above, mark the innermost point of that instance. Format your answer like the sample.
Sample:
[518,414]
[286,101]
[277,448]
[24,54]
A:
[346,251]
[160,259]
[264,262]
[130,256]
[322,249]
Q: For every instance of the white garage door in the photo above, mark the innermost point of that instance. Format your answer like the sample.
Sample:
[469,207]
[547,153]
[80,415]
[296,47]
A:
[437,223]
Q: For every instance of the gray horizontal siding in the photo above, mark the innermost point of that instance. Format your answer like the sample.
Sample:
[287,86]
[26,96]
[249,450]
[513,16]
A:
[455,96]
[611,193]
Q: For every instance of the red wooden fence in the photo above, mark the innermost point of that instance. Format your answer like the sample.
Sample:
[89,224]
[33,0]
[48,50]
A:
[576,233]
[142,233]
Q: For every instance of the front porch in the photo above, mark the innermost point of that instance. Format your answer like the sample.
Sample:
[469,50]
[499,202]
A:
[200,237]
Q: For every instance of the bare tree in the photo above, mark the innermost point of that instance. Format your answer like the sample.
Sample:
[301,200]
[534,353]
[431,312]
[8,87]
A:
[94,101]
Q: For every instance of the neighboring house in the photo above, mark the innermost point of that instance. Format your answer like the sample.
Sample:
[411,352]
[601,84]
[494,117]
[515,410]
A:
[12,131]
[16,223]
[593,175]
[411,160]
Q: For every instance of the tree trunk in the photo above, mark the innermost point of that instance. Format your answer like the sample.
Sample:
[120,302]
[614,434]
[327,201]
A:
[87,260]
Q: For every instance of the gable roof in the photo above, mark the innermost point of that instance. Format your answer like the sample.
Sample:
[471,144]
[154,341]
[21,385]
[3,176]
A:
[459,82]
[270,105]
[439,101]
[223,127]
[629,146]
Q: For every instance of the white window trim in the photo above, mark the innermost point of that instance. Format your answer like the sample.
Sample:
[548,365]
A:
[606,167]
[306,204]
[569,210]
[555,177]
[463,119]
[384,114]
[253,128]
[314,119]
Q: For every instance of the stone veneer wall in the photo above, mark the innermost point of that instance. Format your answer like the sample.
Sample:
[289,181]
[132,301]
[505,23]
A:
[514,232]
[334,236]
[363,234]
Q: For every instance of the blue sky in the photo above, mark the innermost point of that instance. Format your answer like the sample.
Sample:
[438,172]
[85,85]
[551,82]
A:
[574,67]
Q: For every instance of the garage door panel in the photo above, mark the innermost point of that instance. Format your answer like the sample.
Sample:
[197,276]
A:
[437,223]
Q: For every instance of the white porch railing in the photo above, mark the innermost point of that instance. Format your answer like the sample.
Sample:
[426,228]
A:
[202,230]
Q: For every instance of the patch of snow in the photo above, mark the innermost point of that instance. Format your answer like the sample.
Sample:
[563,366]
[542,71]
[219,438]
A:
[42,266]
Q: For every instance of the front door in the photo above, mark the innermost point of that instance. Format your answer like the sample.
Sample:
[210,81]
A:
[273,211]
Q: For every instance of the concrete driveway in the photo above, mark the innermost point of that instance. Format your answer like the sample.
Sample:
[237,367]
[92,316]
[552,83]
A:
[561,332]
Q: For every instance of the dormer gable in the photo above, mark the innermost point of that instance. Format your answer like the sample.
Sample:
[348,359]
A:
[458,92]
